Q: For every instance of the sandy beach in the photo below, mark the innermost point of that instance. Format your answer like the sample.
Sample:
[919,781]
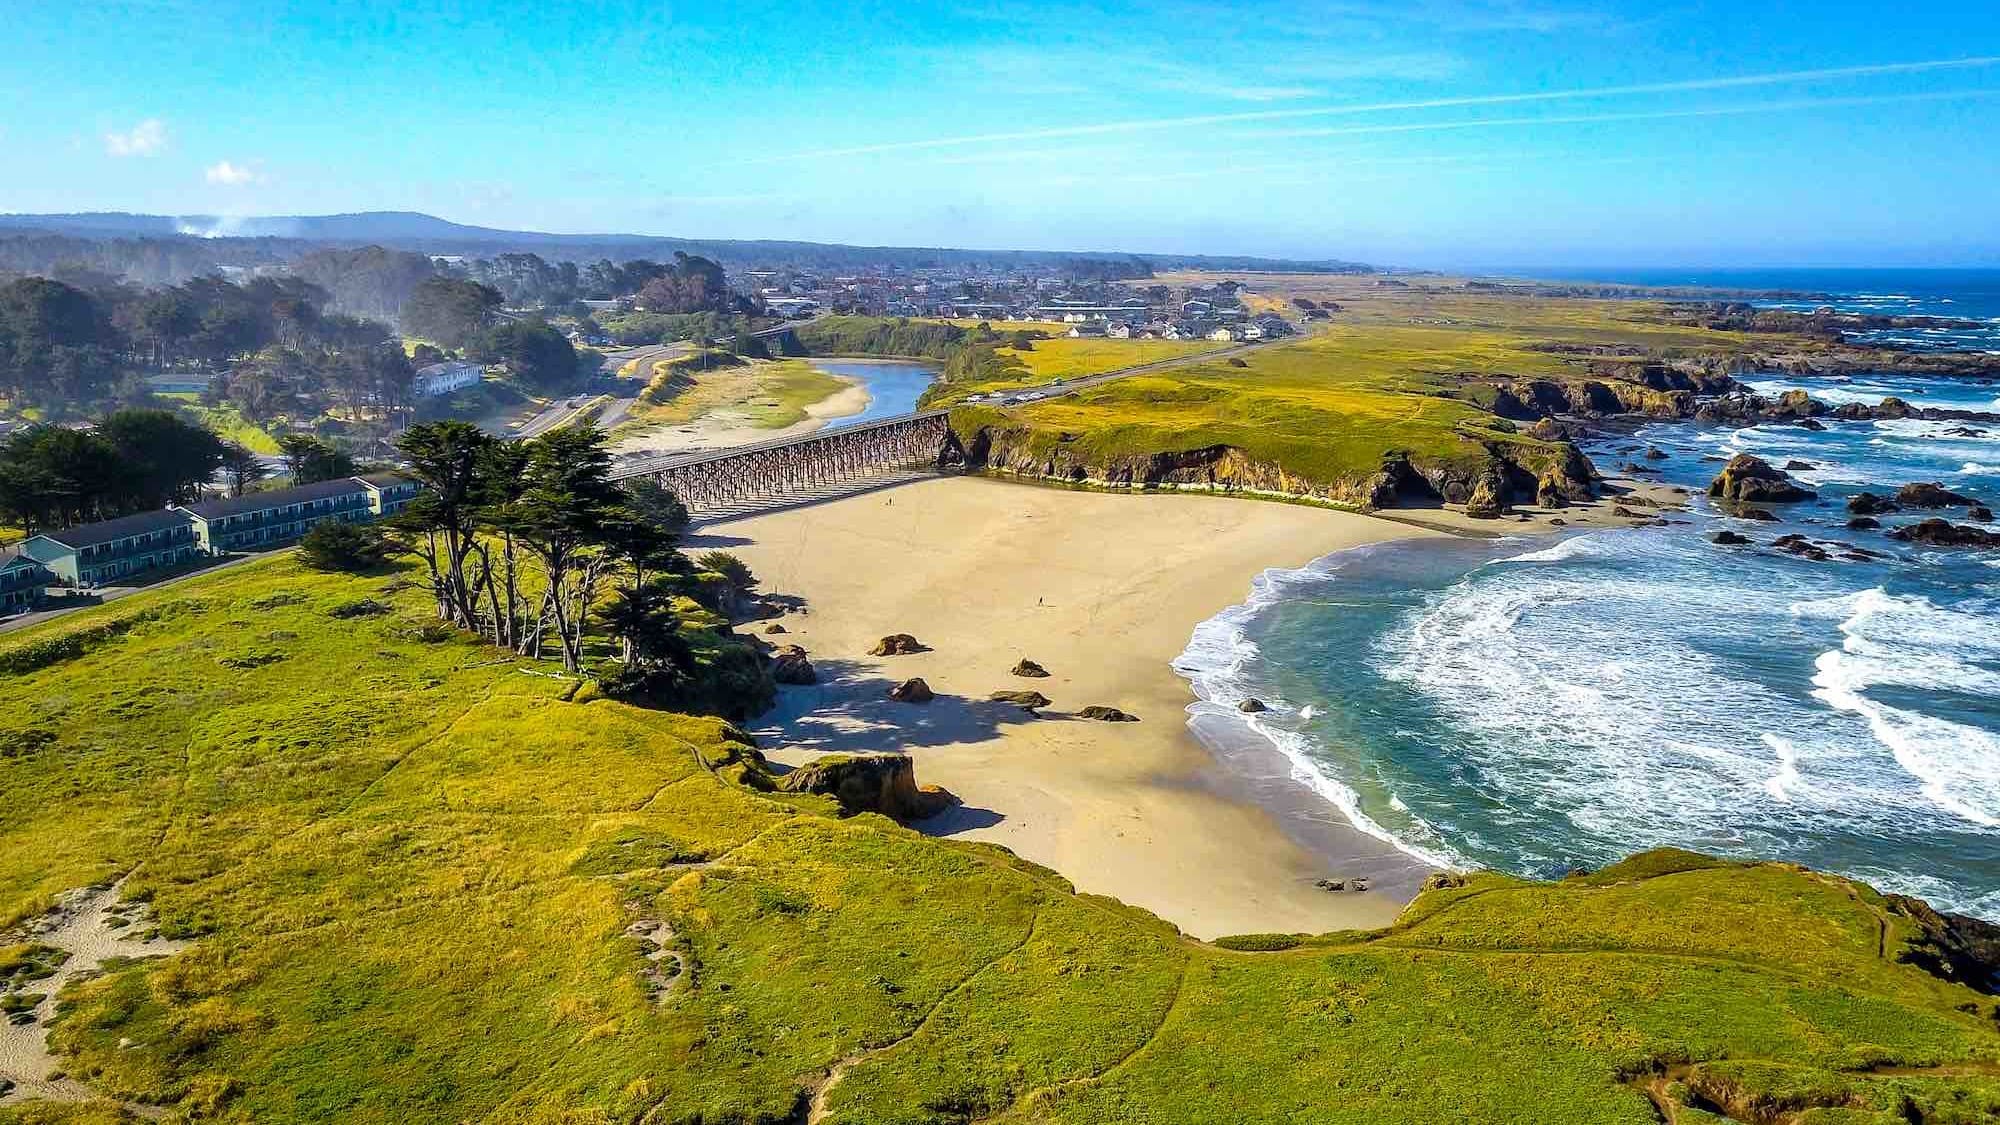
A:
[1103,591]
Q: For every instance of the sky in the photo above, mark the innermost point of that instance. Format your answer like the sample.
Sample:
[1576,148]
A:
[1484,133]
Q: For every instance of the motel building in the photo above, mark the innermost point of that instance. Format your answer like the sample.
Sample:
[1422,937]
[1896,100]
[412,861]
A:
[23,581]
[99,554]
[96,554]
[262,519]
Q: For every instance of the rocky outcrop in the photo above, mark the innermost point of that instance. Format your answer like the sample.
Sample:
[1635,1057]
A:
[913,690]
[1029,669]
[1518,470]
[773,629]
[897,644]
[1931,494]
[1801,546]
[1981,513]
[1729,539]
[877,783]
[1869,504]
[1748,479]
[1944,533]
[1863,523]
[1252,706]
[791,666]
[1104,714]
[1026,700]
[1951,946]
[1488,500]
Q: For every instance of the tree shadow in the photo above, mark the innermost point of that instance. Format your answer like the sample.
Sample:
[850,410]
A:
[696,541]
[849,711]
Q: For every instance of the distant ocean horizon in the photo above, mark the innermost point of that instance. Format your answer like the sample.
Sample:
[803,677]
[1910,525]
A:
[1962,294]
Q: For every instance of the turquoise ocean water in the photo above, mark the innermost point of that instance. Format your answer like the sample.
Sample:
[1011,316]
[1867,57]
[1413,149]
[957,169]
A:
[1537,704]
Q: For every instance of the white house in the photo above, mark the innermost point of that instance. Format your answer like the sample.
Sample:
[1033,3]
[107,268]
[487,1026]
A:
[444,378]
[1226,333]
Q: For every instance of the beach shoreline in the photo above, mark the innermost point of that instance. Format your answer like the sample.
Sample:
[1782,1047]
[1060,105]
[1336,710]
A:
[1105,590]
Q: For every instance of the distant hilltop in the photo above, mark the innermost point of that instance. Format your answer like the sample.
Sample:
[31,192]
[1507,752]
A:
[265,237]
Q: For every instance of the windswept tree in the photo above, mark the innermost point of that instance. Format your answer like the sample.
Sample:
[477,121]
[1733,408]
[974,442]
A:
[535,353]
[449,311]
[564,518]
[311,460]
[167,458]
[443,521]
[241,468]
[52,476]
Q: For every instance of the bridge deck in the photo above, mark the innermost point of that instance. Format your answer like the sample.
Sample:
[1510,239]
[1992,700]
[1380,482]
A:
[636,468]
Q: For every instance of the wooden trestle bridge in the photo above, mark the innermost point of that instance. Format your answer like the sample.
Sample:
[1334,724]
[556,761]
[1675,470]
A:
[706,482]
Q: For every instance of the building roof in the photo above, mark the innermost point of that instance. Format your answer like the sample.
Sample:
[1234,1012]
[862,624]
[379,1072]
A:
[275,498]
[12,556]
[384,480]
[110,531]
[449,367]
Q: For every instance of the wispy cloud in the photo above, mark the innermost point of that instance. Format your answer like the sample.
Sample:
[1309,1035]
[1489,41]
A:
[1789,106]
[1308,112]
[146,138]
[1267,73]
[230,174]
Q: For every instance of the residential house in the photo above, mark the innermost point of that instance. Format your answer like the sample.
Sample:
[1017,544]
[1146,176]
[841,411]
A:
[94,554]
[1225,333]
[23,581]
[1088,330]
[388,493]
[444,378]
[1122,331]
[265,519]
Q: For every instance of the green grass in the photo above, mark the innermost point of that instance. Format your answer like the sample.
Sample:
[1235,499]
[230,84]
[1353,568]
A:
[226,421]
[1401,375]
[418,880]
[764,395]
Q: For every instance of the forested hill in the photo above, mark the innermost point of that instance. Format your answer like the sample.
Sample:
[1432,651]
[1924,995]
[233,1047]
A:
[36,243]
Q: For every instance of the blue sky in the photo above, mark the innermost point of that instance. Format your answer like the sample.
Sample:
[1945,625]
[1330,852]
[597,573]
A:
[1419,132]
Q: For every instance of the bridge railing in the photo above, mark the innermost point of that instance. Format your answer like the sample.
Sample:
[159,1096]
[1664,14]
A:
[775,469]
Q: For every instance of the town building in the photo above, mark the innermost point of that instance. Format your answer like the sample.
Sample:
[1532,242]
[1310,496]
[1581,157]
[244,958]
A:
[388,493]
[23,581]
[444,378]
[94,554]
[263,519]
[180,383]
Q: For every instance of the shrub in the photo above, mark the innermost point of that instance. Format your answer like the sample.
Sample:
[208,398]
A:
[1260,943]
[360,607]
[348,547]
[735,570]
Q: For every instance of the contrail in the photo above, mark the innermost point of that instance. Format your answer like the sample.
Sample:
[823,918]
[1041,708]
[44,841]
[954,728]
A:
[1649,115]
[1691,86]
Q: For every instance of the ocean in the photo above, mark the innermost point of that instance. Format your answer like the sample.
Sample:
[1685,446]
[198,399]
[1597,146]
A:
[1961,294]
[1540,704]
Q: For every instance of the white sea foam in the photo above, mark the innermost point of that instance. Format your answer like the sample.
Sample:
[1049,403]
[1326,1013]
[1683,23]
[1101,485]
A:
[1900,641]
[1974,468]
[1214,662]
[1780,784]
